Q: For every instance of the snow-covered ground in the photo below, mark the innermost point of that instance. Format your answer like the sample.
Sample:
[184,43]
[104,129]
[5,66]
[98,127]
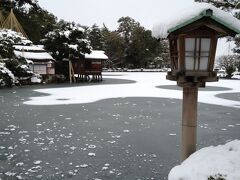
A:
[146,85]
[218,162]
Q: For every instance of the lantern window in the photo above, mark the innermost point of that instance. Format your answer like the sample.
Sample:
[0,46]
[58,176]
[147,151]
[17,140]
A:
[197,52]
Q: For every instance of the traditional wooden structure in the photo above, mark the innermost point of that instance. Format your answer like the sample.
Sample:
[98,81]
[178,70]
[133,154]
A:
[90,67]
[38,59]
[193,47]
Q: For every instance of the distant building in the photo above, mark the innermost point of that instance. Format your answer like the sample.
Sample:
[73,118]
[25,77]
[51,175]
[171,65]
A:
[90,65]
[38,59]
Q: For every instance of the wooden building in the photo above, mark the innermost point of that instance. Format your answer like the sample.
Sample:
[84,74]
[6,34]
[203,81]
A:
[38,59]
[90,67]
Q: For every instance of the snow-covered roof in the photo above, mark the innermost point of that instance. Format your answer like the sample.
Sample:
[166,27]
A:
[96,54]
[32,52]
[161,29]
[28,48]
[33,55]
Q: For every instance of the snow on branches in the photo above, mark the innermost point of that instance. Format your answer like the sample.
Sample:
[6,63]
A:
[69,39]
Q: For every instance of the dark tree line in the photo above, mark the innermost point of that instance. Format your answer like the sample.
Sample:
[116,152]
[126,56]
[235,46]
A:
[130,45]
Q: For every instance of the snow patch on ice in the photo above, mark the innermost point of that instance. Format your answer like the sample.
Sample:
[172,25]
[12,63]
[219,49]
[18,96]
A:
[145,86]
[92,154]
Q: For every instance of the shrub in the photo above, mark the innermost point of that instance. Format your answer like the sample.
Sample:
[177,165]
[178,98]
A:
[6,77]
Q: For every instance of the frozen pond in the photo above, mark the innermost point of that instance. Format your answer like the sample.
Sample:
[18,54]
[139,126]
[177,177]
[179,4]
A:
[127,127]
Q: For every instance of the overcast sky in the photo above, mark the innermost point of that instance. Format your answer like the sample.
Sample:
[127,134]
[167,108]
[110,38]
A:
[147,12]
[88,12]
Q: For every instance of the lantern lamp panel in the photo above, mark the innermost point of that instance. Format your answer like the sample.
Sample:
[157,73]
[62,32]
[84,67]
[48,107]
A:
[189,44]
[205,44]
[203,65]
[189,63]
[197,52]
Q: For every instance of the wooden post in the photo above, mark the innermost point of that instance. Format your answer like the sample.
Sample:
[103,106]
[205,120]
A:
[189,120]
[73,73]
[70,72]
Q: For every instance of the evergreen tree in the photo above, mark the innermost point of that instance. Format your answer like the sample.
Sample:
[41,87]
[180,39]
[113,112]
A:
[125,28]
[65,41]
[13,69]
[35,21]
[7,39]
[113,45]
[141,47]
[95,37]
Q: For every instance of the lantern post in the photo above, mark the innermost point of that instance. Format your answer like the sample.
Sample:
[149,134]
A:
[192,52]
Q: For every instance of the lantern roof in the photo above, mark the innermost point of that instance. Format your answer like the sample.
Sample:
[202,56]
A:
[196,13]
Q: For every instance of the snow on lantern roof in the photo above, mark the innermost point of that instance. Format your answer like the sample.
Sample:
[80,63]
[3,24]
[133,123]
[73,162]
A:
[96,54]
[194,13]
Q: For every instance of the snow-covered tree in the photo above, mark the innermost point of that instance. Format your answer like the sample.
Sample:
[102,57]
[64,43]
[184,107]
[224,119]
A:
[223,4]
[7,39]
[30,14]
[68,39]
[19,3]
[13,69]
[6,76]
[230,63]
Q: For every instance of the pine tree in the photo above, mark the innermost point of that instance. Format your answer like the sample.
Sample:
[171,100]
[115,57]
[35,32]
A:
[66,41]
[35,21]
[95,37]
[113,45]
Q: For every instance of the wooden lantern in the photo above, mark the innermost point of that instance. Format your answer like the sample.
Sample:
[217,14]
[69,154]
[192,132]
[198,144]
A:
[192,51]
[193,47]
